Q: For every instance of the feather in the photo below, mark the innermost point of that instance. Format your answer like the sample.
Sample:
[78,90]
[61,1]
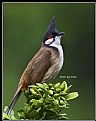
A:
[14,100]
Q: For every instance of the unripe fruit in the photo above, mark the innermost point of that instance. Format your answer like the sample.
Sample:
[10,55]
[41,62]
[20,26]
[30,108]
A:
[50,92]
[58,89]
[33,92]
[56,95]
[56,85]
[61,102]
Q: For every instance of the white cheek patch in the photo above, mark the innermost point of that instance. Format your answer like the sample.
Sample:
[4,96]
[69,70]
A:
[56,43]
[49,41]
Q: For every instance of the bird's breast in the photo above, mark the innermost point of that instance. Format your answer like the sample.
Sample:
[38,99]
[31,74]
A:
[57,63]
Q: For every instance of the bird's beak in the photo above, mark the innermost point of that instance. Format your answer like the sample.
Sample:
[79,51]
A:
[61,33]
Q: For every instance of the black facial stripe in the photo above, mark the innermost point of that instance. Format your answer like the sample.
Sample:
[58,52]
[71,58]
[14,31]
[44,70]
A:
[52,41]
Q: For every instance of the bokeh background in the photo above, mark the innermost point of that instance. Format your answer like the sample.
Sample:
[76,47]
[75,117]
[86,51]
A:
[24,26]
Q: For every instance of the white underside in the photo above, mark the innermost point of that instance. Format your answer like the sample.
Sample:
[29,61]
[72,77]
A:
[57,45]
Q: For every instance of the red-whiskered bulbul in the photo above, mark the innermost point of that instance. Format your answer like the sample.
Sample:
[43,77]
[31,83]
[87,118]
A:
[45,65]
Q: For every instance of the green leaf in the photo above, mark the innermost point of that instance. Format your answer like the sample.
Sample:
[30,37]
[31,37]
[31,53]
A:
[34,101]
[32,86]
[47,100]
[5,116]
[21,114]
[5,108]
[58,90]
[33,92]
[63,86]
[62,98]
[72,95]
[56,95]
[41,86]
[44,114]
[27,107]
[52,88]
[50,85]
[12,115]
[62,114]
[21,110]
[32,114]
[45,85]
[57,85]
[62,102]
[40,90]
[50,92]
[56,102]
[67,90]
[63,118]
[41,100]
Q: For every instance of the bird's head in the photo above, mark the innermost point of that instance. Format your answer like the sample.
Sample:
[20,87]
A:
[52,35]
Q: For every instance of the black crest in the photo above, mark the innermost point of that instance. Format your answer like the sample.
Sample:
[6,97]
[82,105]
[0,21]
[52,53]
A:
[52,30]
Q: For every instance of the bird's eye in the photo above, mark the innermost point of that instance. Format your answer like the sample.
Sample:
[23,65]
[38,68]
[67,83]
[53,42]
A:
[50,36]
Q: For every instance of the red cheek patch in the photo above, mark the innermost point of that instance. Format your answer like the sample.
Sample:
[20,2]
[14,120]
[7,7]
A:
[49,37]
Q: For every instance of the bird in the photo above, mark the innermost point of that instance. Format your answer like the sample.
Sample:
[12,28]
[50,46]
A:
[45,64]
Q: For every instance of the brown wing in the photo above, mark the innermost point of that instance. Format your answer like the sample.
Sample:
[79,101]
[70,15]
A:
[36,68]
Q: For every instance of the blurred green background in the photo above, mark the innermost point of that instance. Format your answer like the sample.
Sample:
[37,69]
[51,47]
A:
[24,26]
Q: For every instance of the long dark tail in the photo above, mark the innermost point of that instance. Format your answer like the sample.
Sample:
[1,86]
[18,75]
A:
[14,100]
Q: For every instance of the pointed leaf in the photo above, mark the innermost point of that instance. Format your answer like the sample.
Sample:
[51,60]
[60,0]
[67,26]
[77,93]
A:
[72,95]
[41,86]
[57,85]
[67,90]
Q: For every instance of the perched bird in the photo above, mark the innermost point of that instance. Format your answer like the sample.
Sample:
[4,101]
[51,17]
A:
[45,65]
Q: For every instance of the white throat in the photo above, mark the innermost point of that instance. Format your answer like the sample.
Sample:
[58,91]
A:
[57,45]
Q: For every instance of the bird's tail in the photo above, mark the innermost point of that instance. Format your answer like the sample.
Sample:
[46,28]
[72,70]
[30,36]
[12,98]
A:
[14,100]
